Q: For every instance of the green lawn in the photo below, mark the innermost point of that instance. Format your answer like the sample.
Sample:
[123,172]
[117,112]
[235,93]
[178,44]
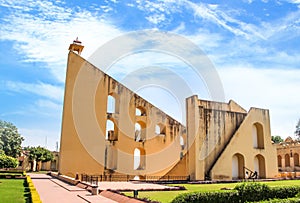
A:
[167,196]
[13,191]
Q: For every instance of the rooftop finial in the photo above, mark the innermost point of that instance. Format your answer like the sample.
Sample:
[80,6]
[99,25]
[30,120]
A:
[76,46]
[76,41]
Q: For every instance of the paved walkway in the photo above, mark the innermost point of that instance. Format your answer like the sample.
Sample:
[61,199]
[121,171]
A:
[53,190]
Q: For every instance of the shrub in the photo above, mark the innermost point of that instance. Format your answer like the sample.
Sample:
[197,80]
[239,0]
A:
[204,197]
[253,192]
[245,192]
[284,192]
[290,200]
[8,161]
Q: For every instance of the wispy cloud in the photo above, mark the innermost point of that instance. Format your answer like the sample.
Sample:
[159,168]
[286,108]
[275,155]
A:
[40,137]
[50,27]
[274,89]
[42,89]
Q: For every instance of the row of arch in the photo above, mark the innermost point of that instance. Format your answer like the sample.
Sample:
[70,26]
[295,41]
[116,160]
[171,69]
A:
[287,160]
[140,130]
[140,126]
[238,166]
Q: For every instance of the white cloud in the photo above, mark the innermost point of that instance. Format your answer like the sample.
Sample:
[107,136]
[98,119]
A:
[156,18]
[40,137]
[273,89]
[219,17]
[48,105]
[48,33]
[40,88]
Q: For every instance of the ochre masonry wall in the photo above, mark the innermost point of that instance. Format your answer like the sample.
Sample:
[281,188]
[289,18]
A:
[88,146]
[222,137]
[108,129]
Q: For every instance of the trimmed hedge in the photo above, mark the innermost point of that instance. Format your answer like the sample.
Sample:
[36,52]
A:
[290,200]
[12,174]
[251,192]
[204,197]
[284,192]
[245,192]
[35,197]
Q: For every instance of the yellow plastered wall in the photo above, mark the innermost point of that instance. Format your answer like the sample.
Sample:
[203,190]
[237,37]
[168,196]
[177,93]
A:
[242,143]
[84,147]
[217,131]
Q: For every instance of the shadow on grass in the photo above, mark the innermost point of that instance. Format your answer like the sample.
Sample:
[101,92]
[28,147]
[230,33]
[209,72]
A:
[27,195]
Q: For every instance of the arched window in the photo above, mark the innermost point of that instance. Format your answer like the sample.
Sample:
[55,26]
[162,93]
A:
[259,166]
[111,104]
[160,129]
[287,160]
[181,140]
[238,164]
[258,136]
[296,159]
[140,132]
[139,160]
[111,134]
[279,161]
[157,129]
[140,111]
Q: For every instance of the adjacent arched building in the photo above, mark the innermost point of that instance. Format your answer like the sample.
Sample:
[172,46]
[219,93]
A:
[288,155]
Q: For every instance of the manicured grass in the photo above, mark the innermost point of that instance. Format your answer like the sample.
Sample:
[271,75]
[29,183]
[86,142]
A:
[14,191]
[168,196]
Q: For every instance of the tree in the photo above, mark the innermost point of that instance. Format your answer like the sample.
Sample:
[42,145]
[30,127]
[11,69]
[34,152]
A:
[39,154]
[10,139]
[297,132]
[7,161]
[276,139]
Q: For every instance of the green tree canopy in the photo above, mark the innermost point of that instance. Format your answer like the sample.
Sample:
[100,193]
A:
[39,154]
[10,139]
[276,139]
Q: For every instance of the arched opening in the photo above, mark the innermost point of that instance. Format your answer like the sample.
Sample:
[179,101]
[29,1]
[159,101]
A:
[140,111]
[111,104]
[181,141]
[111,133]
[296,159]
[258,136]
[139,159]
[287,160]
[140,131]
[279,161]
[157,129]
[238,164]
[160,129]
[259,166]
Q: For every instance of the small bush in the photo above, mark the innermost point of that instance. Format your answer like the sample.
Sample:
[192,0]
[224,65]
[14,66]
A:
[253,191]
[289,200]
[204,197]
[8,161]
[245,192]
[284,192]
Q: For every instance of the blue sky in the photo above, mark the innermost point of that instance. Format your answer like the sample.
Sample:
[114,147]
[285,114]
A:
[254,45]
